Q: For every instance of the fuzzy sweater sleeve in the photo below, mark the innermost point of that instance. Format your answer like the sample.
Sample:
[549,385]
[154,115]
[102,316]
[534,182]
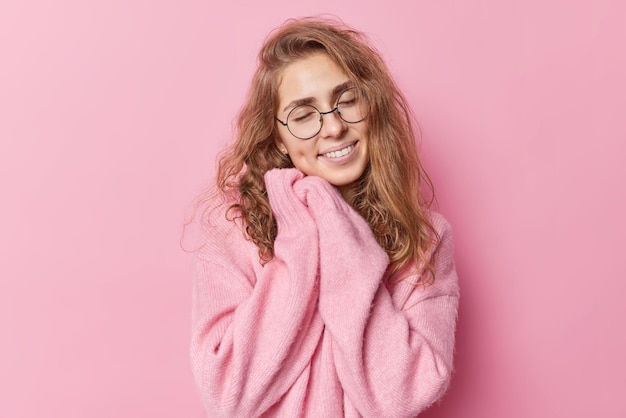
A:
[255,328]
[392,349]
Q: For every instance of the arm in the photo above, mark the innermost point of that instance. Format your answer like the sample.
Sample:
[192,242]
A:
[255,328]
[393,358]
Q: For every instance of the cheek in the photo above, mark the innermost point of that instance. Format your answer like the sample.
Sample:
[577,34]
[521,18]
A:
[301,150]
[301,153]
[294,147]
[304,159]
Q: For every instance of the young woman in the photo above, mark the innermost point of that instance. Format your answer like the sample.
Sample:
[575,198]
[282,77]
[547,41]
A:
[325,287]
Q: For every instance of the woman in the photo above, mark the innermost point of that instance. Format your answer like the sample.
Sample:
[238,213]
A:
[325,287]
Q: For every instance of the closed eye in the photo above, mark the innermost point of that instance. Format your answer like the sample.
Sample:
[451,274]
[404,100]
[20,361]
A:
[303,116]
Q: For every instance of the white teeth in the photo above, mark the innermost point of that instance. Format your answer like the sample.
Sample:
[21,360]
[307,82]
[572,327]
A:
[340,153]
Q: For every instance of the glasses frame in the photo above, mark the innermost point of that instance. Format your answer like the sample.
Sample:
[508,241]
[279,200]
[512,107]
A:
[335,109]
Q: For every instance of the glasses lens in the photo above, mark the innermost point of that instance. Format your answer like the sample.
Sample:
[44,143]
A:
[352,106]
[304,121]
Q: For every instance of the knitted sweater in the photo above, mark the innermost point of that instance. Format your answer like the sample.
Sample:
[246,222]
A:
[316,331]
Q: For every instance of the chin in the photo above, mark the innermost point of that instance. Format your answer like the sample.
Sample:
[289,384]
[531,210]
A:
[347,180]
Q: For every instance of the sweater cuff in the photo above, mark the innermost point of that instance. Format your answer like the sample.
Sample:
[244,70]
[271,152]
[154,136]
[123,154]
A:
[318,193]
[287,208]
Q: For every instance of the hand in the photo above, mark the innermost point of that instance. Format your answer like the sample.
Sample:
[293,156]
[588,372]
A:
[314,192]
[337,221]
[282,176]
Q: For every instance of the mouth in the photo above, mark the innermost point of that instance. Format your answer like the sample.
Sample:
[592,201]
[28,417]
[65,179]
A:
[339,152]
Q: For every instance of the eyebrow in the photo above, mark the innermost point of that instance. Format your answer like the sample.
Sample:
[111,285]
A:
[308,100]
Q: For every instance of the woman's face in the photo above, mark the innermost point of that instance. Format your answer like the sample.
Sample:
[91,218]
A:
[339,152]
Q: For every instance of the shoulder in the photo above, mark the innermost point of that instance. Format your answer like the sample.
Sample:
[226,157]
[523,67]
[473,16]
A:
[444,239]
[222,232]
[408,291]
[216,216]
[443,253]
[440,223]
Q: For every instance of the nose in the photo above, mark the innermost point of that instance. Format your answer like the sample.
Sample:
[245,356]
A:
[332,125]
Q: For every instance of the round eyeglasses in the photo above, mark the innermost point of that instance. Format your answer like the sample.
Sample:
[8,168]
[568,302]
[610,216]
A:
[305,121]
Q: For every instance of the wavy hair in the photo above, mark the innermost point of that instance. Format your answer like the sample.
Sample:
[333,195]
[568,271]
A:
[389,194]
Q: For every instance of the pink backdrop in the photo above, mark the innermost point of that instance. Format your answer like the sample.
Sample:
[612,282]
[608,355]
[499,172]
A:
[111,116]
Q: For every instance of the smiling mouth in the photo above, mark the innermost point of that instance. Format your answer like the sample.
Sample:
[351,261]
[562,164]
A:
[339,153]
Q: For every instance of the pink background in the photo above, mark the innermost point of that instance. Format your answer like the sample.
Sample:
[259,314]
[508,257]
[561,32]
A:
[111,116]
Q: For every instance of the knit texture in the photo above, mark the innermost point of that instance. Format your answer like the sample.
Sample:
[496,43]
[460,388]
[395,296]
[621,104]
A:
[317,332]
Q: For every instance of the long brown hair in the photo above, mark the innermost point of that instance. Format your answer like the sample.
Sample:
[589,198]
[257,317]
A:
[389,194]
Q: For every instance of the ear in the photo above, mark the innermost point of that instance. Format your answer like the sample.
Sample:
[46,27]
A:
[281,147]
